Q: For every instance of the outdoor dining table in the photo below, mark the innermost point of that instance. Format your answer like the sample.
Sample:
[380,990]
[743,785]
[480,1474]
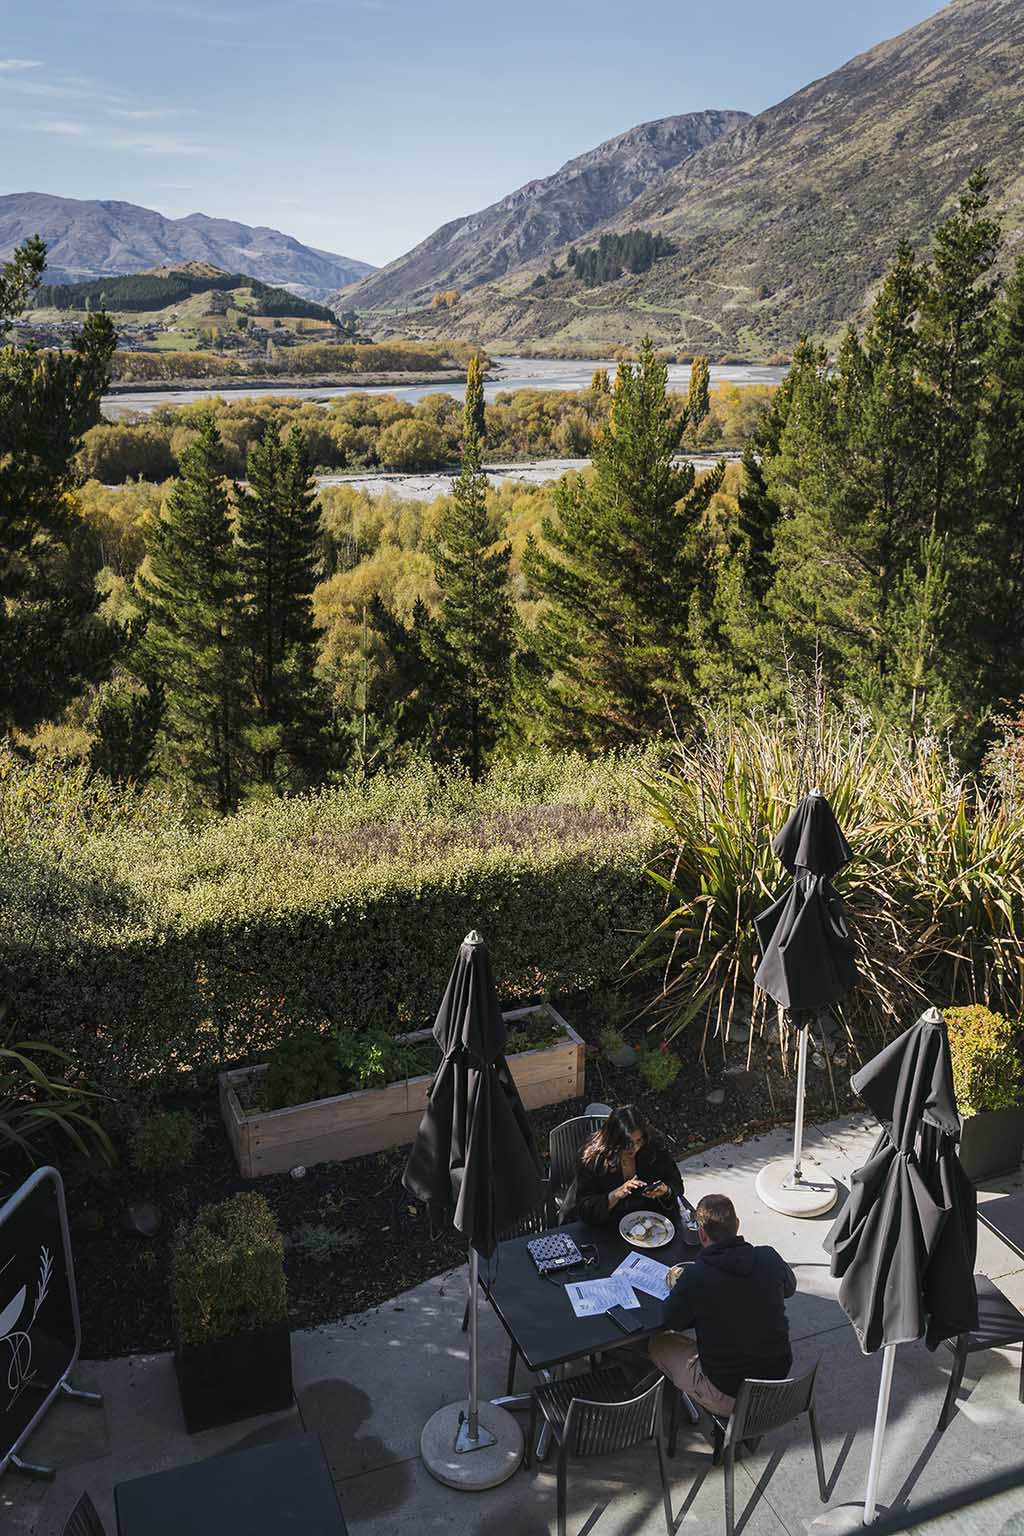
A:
[1005,1217]
[282,1488]
[537,1314]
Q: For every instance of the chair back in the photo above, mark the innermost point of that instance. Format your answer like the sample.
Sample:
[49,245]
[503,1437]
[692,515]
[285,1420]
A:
[564,1145]
[765,1405]
[540,1219]
[600,1429]
[83,1519]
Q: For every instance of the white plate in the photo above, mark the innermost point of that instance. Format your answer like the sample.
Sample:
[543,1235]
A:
[655,1239]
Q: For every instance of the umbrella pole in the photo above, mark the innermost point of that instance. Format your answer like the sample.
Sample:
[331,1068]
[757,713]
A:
[801,1090]
[471,1436]
[878,1438]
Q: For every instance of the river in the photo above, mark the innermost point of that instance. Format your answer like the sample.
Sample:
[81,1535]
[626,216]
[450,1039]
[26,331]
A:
[507,373]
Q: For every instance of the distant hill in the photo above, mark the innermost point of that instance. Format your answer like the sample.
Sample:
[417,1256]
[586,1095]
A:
[544,214]
[157,290]
[104,239]
[785,225]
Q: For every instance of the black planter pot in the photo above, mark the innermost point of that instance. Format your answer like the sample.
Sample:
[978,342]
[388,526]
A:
[992,1143]
[236,1378]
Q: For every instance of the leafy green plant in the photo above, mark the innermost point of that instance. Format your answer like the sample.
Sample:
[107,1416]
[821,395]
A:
[303,1068]
[539,1028]
[321,1244]
[659,1066]
[987,1052]
[163,1141]
[611,1040]
[36,1104]
[227,1271]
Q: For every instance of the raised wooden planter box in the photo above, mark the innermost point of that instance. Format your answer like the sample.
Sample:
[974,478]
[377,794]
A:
[372,1119]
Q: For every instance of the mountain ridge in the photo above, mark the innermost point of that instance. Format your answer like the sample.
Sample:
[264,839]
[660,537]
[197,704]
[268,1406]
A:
[785,225]
[543,214]
[91,238]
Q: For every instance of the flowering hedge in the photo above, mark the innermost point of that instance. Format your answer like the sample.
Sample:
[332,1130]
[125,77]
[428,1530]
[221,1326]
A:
[145,944]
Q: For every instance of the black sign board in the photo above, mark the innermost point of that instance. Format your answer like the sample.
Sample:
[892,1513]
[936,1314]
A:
[39,1329]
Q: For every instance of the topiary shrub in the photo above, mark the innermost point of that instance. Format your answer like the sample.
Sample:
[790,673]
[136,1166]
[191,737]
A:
[227,1271]
[163,1141]
[986,1050]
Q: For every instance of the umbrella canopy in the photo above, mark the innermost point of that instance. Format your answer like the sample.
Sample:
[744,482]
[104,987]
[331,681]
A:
[473,1161]
[905,1242]
[807,952]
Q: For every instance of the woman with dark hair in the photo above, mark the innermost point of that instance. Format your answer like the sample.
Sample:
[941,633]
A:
[625,1166]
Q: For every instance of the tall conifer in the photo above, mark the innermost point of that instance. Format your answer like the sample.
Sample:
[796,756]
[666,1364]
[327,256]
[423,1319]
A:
[277,532]
[474,422]
[189,591]
[618,572]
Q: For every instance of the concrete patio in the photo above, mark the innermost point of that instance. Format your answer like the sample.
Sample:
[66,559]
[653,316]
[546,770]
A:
[368,1383]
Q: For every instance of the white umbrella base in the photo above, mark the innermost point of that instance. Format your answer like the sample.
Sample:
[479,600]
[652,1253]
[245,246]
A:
[843,1520]
[471,1470]
[812,1196]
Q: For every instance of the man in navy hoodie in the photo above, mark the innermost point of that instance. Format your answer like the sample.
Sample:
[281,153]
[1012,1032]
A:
[726,1313]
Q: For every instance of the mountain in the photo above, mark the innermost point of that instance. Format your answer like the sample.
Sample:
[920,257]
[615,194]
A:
[543,215]
[785,225]
[103,239]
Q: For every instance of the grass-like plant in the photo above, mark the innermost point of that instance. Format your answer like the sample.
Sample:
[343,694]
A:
[38,1102]
[934,895]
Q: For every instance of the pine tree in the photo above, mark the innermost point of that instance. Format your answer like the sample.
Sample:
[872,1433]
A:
[190,595]
[618,572]
[473,642]
[698,402]
[278,528]
[53,640]
[474,423]
[1003,482]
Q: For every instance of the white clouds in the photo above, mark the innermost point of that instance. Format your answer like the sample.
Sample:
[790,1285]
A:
[64,127]
[15,66]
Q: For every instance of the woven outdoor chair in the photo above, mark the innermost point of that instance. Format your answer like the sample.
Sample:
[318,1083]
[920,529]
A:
[83,1520]
[593,1415]
[541,1219]
[761,1406]
[999,1323]
[564,1144]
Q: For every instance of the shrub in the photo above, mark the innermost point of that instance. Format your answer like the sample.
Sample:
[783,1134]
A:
[659,1067]
[314,1241]
[147,944]
[227,1271]
[612,1040]
[986,1049]
[163,1141]
[411,445]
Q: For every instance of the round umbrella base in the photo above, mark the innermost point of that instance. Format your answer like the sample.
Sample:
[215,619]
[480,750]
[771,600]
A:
[843,1520]
[777,1189]
[472,1470]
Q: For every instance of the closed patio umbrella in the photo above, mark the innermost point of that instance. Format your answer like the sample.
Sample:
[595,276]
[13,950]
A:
[904,1244]
[474,1164]
[806,965]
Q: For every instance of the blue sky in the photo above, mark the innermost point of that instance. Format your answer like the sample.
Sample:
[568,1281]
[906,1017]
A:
[360,125]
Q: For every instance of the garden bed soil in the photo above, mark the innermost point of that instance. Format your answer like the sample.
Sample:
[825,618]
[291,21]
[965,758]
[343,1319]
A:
[370,1241]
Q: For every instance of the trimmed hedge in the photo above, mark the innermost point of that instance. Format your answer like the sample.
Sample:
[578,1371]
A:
[147,944]
[227,1271]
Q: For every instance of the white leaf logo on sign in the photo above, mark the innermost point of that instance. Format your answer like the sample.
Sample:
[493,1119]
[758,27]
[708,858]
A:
[18,1340]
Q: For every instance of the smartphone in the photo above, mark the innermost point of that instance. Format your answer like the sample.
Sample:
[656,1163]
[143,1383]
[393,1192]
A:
[624,1320]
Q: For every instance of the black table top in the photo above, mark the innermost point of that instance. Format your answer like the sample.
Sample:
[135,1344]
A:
[538,1315]
[1005,1217]
[283,1488]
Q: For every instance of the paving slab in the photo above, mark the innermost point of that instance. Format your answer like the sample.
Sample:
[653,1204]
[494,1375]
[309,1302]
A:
[368,1383]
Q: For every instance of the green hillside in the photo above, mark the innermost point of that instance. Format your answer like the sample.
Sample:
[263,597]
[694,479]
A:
[151,292]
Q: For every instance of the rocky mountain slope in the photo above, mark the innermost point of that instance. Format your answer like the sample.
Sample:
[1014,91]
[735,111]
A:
[542,215]
[784,226]
[87,239]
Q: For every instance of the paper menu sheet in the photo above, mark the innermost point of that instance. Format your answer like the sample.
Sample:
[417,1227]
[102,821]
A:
[645,1275]
[589,1297]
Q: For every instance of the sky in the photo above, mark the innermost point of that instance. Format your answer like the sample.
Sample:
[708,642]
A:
[359,126]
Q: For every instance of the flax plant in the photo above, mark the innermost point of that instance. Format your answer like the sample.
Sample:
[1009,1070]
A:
[934,895]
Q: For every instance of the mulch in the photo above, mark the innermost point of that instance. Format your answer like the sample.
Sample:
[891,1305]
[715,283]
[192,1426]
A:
[384,1238]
